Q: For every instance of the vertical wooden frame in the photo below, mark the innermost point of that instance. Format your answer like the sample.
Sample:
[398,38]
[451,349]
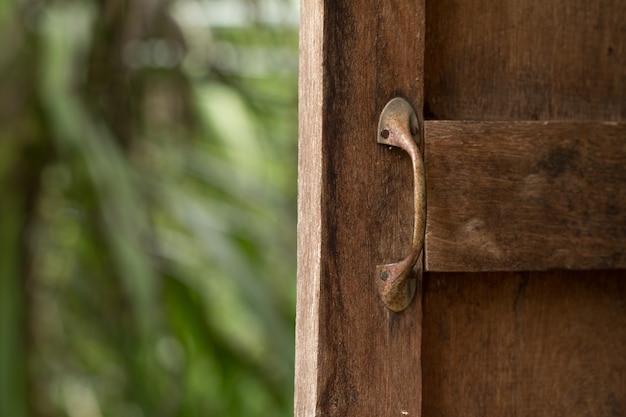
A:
[310,160]
[353,356]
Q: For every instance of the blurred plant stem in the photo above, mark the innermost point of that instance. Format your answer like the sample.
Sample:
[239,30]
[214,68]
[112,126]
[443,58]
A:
[24,152]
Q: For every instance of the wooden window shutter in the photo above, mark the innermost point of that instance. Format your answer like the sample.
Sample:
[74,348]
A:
[521,309]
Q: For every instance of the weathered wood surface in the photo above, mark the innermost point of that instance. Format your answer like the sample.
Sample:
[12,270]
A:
[522,196]
[524,344]
[525,60]
[354,357]
[538,343]
[310,176]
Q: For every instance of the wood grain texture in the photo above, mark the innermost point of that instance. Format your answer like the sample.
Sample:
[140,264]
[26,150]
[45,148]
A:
[310,161]
[521,196]
[525,344]
[539,343]
[353,356]
[525,60]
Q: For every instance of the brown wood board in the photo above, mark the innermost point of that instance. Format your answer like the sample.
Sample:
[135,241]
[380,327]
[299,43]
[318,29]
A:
[525,59]
[524,344]
[353,356]
[525,196]
[538,343]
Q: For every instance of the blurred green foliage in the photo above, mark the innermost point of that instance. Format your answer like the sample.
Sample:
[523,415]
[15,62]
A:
[147,216]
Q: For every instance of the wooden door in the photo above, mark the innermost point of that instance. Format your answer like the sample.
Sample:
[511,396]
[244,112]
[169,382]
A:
[522,306]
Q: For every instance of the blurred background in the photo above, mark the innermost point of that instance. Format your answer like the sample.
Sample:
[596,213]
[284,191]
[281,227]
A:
[147,207]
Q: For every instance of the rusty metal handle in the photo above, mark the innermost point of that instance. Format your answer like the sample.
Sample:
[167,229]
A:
[398,126]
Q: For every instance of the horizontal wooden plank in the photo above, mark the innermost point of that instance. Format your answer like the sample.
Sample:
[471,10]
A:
[525,195]
[525,60]
[524,344]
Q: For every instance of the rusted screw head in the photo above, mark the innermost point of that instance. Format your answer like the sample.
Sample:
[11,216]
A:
[385,133]
[384,274]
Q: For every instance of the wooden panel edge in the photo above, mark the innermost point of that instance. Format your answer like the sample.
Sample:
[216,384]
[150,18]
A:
[310,112]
